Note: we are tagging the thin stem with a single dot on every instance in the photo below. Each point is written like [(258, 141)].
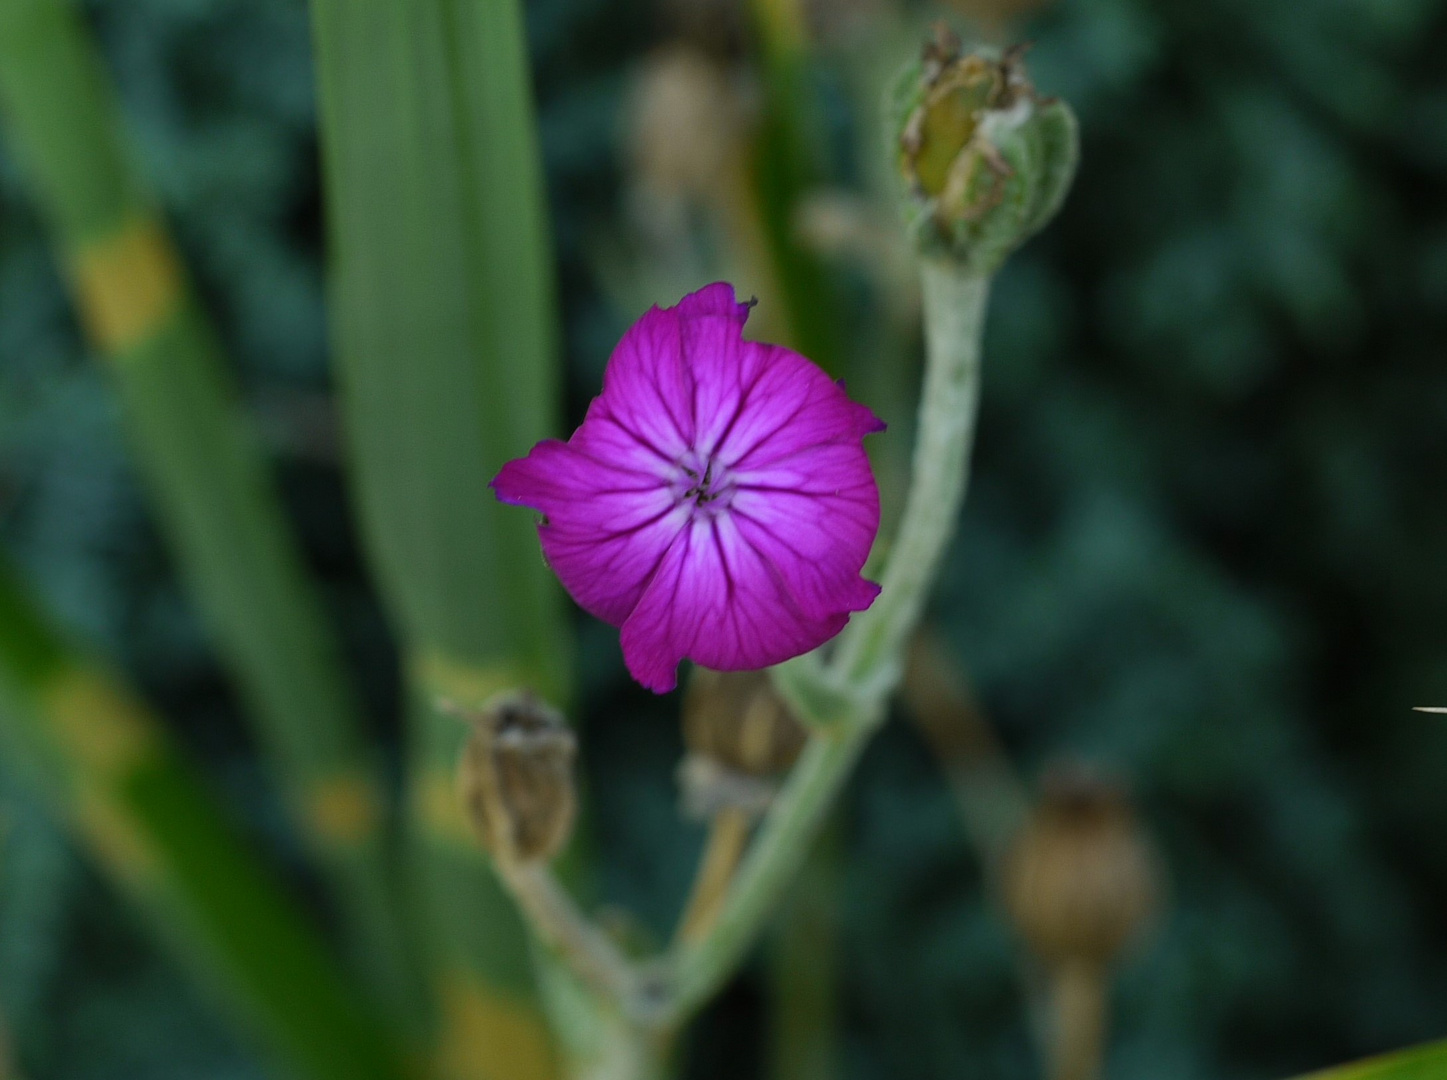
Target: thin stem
[(1078, 1007), (728, 832), (596, 1038), (8, 1069), (844, 702), (804, 992), (991, 797), (609, 1013), (778, 850), (568, 933), (954, 311), (630, 1057)]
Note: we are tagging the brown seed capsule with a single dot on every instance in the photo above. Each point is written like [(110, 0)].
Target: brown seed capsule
[(685, 125), (1080, 880), (736, 718), (741, 740), (516, 778)]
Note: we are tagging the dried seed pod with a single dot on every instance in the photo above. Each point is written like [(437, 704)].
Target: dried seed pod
[(516, 778), (1080, 880), (736, 719), (708, 789), (685, 125), (741, 740)]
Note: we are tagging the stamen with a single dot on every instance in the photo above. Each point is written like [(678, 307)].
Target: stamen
[(701, 483)]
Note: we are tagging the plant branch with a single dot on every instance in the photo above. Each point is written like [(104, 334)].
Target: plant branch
[(990, 795), (954, 311), (1078, 1019), (844, 702), (728, 834), (569, 934)]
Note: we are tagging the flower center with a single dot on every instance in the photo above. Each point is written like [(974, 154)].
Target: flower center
[(703, 482)]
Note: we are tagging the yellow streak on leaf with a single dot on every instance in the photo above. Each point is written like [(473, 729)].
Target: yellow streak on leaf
[(487, 1036), (112, 836), (1428, 1062), (98, 722), (437, 807), (461, 683), (344, 809), (127, 285)]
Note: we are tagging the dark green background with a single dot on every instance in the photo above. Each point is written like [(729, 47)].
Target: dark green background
[(1204, 546)]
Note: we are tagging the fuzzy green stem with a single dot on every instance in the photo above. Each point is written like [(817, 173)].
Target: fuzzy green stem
[(782, 842), (566, 932), (598, 1041), (954, 311), (845, 701)]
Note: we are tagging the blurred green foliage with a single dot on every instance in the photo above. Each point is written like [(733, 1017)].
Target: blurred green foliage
[(1203, 544)]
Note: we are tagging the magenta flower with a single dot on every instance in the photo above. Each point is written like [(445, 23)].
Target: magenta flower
[(716, 502)]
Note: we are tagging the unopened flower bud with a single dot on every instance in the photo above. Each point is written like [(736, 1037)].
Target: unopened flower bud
[(741, 739), (516, 778), (1080, 880), (985, 161)]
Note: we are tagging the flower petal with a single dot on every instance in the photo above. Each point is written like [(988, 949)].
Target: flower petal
[(648, 388), (725, 369), (716, 299), (606, 528), (789, 405), (817, 545), (717, 601), (759, 564)]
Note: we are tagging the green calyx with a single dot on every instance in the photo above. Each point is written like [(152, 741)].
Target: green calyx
[(985, 161)]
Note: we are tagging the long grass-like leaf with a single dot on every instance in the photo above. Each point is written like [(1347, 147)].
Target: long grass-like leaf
[(1427, 1062), (785, 166), (103, 762), (444, 335), (208, 479)]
